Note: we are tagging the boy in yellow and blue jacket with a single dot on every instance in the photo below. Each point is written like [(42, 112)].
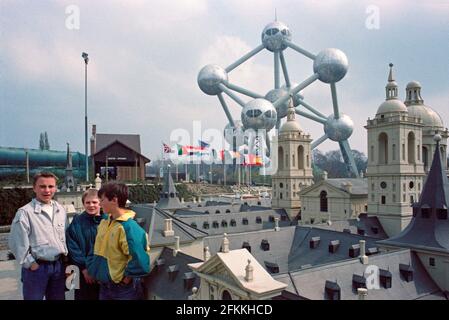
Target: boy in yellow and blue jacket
[(121, 251)]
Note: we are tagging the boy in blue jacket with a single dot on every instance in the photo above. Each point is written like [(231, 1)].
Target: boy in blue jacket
[(80, 242)]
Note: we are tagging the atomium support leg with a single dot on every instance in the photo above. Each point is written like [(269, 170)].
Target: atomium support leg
[(348, 157), (267, 143), (335, 101), (300, 50), (245, 57), (310, 108), (231, 94), (319, 141), (277, 74), (284, 69), (310, 116), (226, 109), (296, 89), (278, 124), (244, 91)]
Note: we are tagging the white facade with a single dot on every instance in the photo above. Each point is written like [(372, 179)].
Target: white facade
[(395, 168), (294, 171)]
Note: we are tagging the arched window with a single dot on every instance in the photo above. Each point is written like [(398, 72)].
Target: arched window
[(425, 157), (307, 161), (226, 295), (323, 201), (383, 148), (281, 158), (394, 152), (300, 157), (372, 154), (293, 160), (411, 147)]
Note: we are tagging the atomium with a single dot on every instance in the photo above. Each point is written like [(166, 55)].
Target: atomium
[(210, 78), (331, 65), (259, 114), (275, 35), (339, 129), (266, 111)]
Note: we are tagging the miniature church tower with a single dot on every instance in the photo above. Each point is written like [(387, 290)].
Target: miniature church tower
[(395, 168), (294, 170), (69, 180)]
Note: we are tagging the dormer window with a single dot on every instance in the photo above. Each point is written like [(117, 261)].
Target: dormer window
[(333, 291), (358, 281), (371, 251), (385, 278), (189, 279), (245, 221), (334, 245), (217, 211), (215, 224), (233, 223), (173, 272), (375, 230), (193, 225), (314, 242), (246, 246), (406, 271), (265, 245), (228, 211), (425, 211), (354, 250), (258, 220), (442, 214), (224, 224), (272, 267), (271, 218), (206, 225)]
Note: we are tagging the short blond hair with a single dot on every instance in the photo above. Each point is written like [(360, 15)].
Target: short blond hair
[(89, 193)]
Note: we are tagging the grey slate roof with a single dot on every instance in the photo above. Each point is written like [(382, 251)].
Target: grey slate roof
[(105, 139), (429, 227), (153, 221), (366, 225), (199, 218), (290, 248), (167, 287), (310, 283)]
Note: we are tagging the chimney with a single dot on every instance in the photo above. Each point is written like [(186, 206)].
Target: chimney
[(98, 182), (276, 224), (177, 248), (225, 244), (206, 253), (194, 200), (324, 175), (363, 257), (362, 293), (199, 199), (249, 272), (168, 229), (182, 200)]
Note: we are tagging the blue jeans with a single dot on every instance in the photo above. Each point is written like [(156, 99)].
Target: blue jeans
[(120, 291), (47, 281)]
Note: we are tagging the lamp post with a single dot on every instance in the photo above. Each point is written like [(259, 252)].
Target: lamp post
[(84, 55)]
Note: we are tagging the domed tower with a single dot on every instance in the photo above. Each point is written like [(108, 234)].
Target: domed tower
[(432, 124), (395, 169), (294, 171)]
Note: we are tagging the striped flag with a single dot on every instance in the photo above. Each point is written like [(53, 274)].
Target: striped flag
[(167, 148)]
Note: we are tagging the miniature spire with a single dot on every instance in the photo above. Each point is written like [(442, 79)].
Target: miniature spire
[(225, 244), (249, 272), (291, 110), (392, 87)]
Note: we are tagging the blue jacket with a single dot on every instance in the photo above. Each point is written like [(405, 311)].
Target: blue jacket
[(81, 237)]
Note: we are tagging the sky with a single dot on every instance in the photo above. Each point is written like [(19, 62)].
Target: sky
[(145, 57)]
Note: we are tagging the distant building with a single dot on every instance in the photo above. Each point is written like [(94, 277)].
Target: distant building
[(117, 156), (334, 199)]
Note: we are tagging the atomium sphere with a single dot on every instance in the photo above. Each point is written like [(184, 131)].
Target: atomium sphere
[(339, 129), (331, 65), (298, 97), (210, 77), (237, 131), (274, 36), (276, 94), (259, 114)]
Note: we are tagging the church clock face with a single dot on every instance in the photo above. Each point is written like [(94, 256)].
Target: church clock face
[(383, 184)]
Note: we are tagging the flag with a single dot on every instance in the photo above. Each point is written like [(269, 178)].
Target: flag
[(252, 160), (167, 148), (203, 144)]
